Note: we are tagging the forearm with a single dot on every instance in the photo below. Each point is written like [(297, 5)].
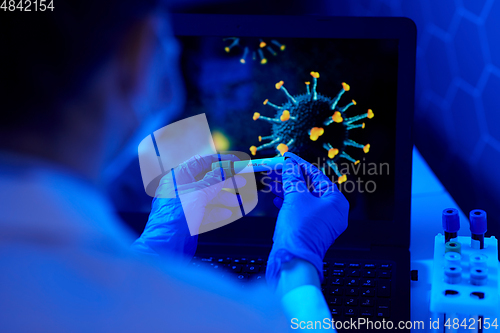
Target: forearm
[(296, 273), (300, 291)]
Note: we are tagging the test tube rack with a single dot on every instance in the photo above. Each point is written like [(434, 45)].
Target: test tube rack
[(465, 280)]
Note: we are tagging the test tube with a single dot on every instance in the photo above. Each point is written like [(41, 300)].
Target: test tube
[(451, 224), (452, 259), (479, 276), (478, 227), (479, 261), (453, 274), (265, 164), (453, 246)]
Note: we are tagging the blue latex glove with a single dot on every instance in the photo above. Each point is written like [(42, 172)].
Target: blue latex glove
[(167, 232), (313, 214)]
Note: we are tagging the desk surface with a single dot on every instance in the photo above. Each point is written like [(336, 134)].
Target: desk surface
[(428, 199)]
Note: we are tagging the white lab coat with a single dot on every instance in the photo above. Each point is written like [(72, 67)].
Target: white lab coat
[(65, 266)]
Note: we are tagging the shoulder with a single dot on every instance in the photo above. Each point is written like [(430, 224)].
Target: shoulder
[(77, 290)]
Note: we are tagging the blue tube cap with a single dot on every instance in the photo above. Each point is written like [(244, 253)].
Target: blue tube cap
[(477, 220), (451, 221)]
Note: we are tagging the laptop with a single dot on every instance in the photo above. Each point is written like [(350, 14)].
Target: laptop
[(234, 67)]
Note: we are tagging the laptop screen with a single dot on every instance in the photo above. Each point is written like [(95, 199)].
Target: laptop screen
[(332, 101)]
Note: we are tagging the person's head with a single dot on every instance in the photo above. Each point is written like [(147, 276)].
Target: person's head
[(81, 81)]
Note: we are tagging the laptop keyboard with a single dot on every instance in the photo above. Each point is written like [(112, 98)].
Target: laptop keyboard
[(351, 289), (241, 269), (355, 289)]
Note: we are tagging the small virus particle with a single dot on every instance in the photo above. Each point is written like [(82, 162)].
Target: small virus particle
[(221, 141), (314, 126), (253, 48)]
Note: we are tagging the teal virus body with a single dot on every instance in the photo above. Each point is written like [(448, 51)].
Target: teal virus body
[(253, 48), (314, 126)]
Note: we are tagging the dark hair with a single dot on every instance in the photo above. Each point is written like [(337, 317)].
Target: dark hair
[(47, 57)]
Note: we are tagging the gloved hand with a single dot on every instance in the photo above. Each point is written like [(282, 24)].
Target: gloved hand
[(167, 231), (309, 221)]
